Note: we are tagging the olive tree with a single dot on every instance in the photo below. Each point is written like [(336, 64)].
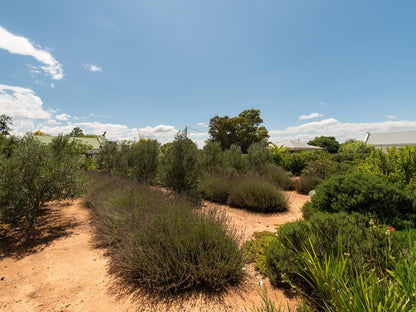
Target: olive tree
[(33, 175)]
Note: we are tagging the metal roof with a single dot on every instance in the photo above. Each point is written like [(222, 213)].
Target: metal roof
[(299, 146), (392, 138), (93, 142)]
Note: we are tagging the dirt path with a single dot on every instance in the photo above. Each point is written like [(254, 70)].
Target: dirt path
[(64, 272)]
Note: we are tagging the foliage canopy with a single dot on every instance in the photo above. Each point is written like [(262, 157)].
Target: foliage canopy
[(242, 130), (327, 142)]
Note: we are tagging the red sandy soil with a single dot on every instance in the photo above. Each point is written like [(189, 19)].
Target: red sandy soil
[(62, 270)]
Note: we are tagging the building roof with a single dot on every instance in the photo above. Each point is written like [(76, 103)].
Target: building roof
[(299, 146), (94, 143), (392, 138)]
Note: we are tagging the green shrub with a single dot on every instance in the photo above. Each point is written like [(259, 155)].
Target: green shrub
[(397, 164), (371, 195), (254, 250), (216, 187), (179, 170), (337, 286), (107, 158), (306, 184), (35, 174), (258, 194), (280, 177), (144, 160), (258, 157), (353, 150), (162, 243), (234, 160), (328, 233), (212, 157), (138, 161), (321, 168)]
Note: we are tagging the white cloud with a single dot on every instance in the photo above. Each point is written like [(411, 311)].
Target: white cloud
[(160, 130), (198, 135), (92, 68), (340, 130), (117, 132), (310, 116), (391, 116), (52, 85), (28, 115), (22, 46), (202, 124), (99, 116), (23, 106), (52, 122), (62, 117)]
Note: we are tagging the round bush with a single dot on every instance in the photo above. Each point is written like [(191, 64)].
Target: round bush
[(179, 249), (216, 188), (368, 247), (371, 195), (280, 177), (307, 183), (259, 195), (163, 243)]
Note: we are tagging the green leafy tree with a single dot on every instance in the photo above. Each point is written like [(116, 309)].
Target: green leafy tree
[(327, 142), (242, 130)]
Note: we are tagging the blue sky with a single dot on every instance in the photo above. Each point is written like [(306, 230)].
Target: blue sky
[(149, 68)]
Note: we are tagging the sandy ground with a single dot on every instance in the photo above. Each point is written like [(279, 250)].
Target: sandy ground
[(62, 270)]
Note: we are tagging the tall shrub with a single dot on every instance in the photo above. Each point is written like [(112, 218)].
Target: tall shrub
[(234, 159), (35, 174), (258, 157), (398, 164), (212, 158), (179, 165), (144, 160)]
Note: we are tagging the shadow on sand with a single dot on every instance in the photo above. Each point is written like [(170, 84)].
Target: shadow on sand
[(50, 225)]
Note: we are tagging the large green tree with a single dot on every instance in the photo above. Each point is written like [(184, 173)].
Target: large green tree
[(242, 130), (327, 142)]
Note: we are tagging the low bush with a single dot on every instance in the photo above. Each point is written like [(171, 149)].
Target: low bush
[(306, 184), (322, 168), (329, 233), (280, 177), (258, 194), (254, 250), (161, 242), (338, 286), (389, 202), (216, 187)]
